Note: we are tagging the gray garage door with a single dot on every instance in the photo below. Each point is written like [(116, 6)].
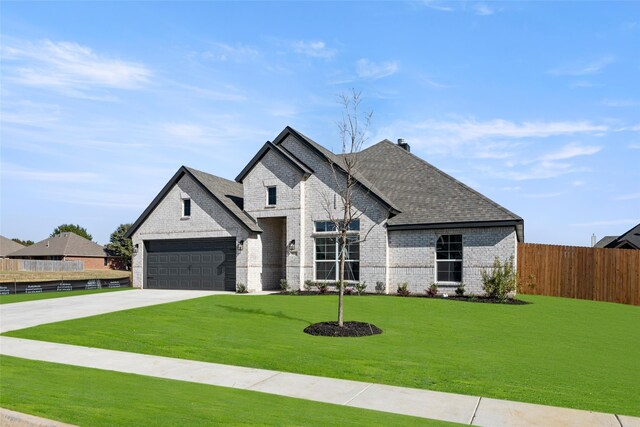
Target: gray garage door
[(191, 264)]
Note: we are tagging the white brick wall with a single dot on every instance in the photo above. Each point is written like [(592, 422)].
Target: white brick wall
[(412, 256)]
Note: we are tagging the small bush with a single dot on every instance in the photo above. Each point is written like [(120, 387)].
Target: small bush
[(241, 288), (402, 290), (360, 287), (284, 285), (348, 290), (323, 287), (501, 281), (460, 290), (432, 290), (308, 285), (380, 288)]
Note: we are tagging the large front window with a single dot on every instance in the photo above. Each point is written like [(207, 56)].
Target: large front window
[(449, 258), (327, 250)]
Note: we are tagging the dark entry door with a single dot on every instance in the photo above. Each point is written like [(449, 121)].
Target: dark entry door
[(199, 264)]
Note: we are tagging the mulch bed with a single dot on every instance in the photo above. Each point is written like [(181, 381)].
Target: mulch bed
[(487, 300), (350, 329)]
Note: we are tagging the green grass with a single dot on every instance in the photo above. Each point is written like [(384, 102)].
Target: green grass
[(8, 299), (556, 351), (93, 397)]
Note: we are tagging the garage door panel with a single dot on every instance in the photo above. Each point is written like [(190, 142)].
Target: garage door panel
[(191, 264)]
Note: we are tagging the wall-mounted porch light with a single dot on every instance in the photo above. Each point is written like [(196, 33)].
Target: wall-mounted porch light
[(135, 249), (292, 246), (240, 245)]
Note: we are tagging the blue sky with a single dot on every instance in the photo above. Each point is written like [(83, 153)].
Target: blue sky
[(536, 105)]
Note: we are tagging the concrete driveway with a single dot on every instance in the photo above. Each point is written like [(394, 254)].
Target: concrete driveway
[(33, 313)]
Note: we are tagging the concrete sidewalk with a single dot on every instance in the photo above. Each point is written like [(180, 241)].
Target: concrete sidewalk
[(420, 403)]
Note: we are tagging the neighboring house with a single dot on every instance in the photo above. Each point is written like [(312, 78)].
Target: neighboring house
[(629, 240), (68, 247), (8, 246), (421, 225)]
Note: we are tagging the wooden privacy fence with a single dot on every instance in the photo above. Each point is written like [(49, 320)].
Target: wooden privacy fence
[(597, 274), (40, 265)]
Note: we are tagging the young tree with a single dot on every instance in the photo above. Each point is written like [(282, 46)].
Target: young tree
[(73, 228), (121, 246), (353, 131)]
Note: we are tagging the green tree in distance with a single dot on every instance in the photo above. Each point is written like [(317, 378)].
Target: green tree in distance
[(73, 228), (121, 246)]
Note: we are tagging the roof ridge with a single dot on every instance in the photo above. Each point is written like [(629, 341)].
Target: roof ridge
[(446, 175), (190, 169)]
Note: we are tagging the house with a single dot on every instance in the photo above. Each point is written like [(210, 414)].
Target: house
[(69, 247), (8, 246), (421, 225), (628, 240)]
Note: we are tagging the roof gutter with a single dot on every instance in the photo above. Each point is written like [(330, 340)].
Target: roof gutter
[(518, 224)]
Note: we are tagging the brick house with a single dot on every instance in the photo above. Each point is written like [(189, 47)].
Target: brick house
[(70, 247), (205, 232)]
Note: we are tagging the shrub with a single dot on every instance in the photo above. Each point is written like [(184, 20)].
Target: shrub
[(380, 288), (323, 287), (360, 287), (402, 290), (241, 288), (284, 285), (432, 290), (348, 290), (308, 285), (460, 290), (501, 281)]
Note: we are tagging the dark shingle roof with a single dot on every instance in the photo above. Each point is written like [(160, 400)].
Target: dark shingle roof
[(8, 246), (630, 238), (229, 193), (605, 241), (63, 244), (424, 193)]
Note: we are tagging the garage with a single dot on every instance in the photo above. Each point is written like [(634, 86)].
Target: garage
[(196, 264)]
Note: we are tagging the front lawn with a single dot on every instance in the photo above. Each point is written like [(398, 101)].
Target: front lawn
[(92, 397), (555, 351), (8, 299)]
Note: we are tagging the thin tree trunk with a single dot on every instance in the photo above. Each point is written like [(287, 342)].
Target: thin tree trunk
[(343, 249)]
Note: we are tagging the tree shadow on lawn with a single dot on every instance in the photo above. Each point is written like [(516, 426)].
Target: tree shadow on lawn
[(261, 312)]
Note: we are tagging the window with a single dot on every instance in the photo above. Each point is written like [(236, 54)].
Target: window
[(327, 249), (186, 207), (449, 258), (271, 196)]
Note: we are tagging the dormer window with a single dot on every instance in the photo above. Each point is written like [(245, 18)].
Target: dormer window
[(271, 196), (186, 208)]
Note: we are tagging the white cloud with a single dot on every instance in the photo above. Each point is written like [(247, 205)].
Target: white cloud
[(48, 176), (316, 49), (437, 5), (539, 170), (583, 68), (70, 66), (226, 52), (482, 9), (606, 222), (571, 150), (634, 146), (373, 71), (632, 196), (620, 103), (184, 130)]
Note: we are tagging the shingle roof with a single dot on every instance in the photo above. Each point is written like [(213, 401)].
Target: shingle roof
[(63, 244), (631, 237), (424, 193), (8, 246), (283, 152), (605, 241), (229, 193)]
